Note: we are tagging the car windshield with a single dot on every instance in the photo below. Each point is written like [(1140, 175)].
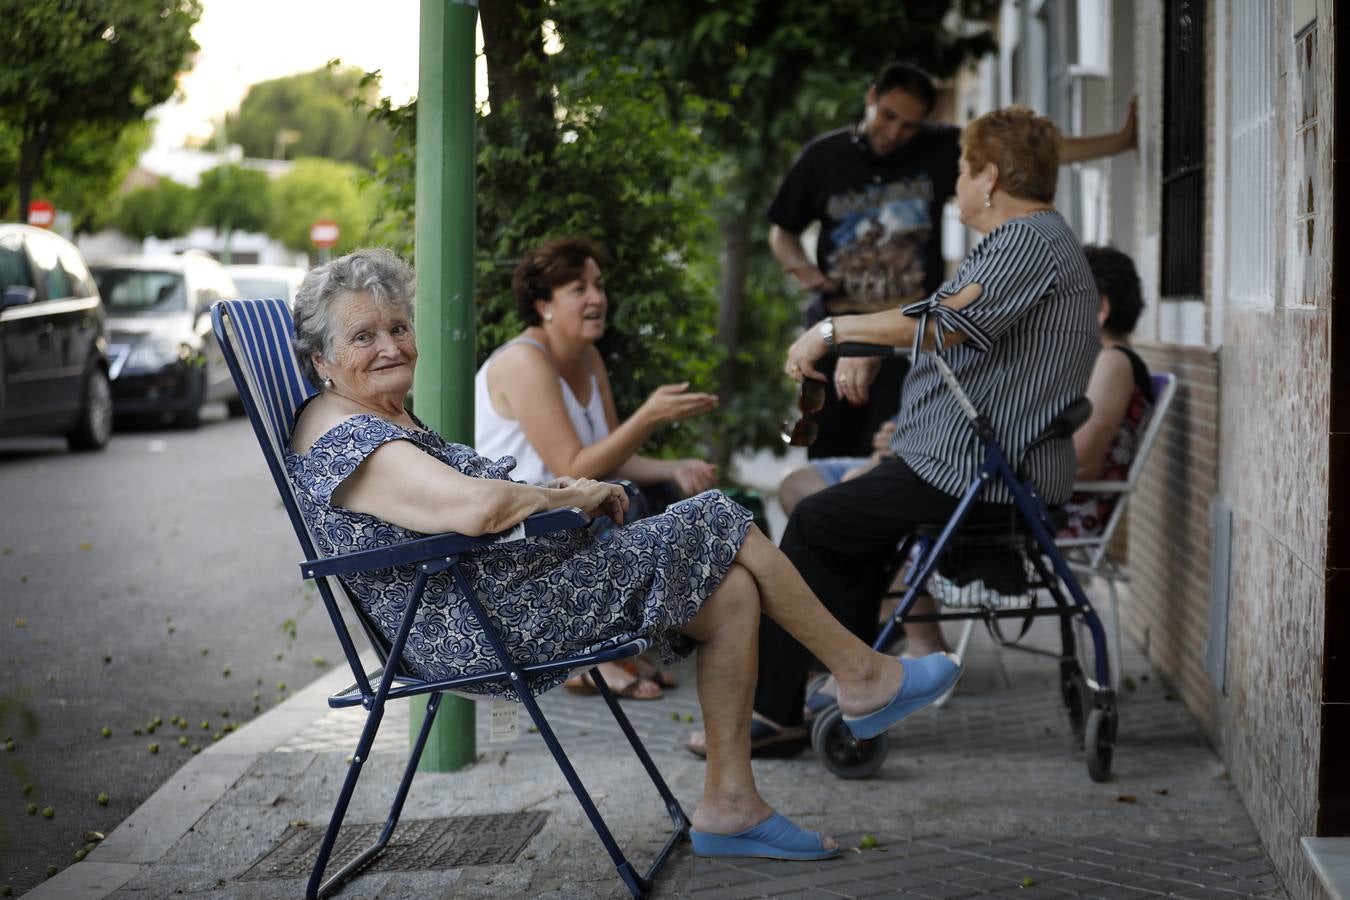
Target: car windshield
[(262, 288), (138, 291)]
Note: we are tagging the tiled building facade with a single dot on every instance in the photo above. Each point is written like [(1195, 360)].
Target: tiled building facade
[(1237, 537)]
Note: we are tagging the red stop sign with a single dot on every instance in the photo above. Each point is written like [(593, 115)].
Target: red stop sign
[(324, 233), (41, 213)]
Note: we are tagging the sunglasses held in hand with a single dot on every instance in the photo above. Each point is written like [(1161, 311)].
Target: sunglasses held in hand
[(811, 400)]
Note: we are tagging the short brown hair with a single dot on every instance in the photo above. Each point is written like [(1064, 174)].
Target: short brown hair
[(548, 266), (1024, 146)]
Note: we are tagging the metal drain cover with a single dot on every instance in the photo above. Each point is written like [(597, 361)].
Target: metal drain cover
[(417, 844)]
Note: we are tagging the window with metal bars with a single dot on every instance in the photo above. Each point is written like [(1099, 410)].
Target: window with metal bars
[(1183, 172)]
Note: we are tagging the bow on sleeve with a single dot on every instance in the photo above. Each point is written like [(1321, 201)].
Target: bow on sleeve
[(946, 321)]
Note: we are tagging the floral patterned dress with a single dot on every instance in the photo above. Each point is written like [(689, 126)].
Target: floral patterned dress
[(551, 595)]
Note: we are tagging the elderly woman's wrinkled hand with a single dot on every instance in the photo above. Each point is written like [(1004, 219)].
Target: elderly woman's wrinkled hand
[(694, 476), (600, 498), (802, 356)]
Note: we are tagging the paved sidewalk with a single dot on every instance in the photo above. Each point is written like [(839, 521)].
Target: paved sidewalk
[(982, 797)]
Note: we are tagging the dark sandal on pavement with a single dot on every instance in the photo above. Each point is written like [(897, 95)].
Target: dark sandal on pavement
[(582, 684), (767, 741)]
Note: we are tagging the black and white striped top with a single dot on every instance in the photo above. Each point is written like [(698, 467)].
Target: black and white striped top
[(1032, 341)]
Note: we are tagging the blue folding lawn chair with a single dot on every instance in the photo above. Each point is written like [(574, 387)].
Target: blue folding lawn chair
[(255, 336)]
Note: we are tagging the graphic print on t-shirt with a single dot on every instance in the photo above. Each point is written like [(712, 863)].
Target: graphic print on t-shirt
[(879, 241)]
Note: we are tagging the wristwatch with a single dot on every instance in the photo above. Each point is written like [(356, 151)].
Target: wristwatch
[(827, 331)]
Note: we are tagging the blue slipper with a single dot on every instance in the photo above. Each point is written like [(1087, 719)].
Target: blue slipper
[(777, 837), (926, 680)]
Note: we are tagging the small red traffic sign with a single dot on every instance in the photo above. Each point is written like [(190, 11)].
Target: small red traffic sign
[(41, 213), (324, 233)]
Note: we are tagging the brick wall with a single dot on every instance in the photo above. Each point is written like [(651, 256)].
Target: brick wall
[(1169, 527)]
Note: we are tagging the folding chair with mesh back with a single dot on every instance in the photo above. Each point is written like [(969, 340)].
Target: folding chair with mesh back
[(255, 336), (1088, 556)]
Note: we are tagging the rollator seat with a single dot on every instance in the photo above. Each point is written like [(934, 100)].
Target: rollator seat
[(993, 552)]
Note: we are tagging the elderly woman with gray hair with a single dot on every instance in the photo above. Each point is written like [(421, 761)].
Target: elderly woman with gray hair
[(368, 474)]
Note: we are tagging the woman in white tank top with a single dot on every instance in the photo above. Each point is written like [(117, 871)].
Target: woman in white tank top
[(544, 397)]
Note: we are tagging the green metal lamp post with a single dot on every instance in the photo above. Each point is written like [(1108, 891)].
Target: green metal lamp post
[(443, 386)]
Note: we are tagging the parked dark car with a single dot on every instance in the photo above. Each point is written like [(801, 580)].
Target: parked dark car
[(164, 358), (53, 347)]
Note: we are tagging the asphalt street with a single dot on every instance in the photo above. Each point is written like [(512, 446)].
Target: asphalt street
[(154, 583)]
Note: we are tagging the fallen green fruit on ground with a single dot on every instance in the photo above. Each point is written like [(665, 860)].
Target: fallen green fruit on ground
[(103, 799), (158, 721), (27, 790), (225, 672), (153, 748), (868, 842), (9, 746), (32, 809), (1027, 882), (206, 726), (80, 854), (689, 717), (281, 685), (51, 870), (196, 750), (182, 742), (106, 732), (674, 716), (48, 812)]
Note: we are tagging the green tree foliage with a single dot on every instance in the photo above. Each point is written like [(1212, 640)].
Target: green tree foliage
[(230, 197), (770, 74), (321, 189), (310, 114), (71, 64), (82, 173), (608, 164), (164, 210)]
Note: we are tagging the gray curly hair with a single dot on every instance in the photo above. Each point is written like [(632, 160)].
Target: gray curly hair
[(376, 271)]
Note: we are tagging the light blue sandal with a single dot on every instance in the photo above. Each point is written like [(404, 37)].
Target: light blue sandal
[(927, 679), (777, 837)]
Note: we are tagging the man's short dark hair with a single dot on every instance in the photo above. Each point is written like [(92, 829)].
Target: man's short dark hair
[(909, 78), (1118, 280)]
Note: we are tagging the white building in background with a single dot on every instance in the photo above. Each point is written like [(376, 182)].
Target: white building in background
[(186, 167)]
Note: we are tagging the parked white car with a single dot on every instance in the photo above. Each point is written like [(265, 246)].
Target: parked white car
[(266, 282), (164, 359)]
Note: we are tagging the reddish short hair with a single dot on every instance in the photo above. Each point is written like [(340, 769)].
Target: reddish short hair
[(1024, 146)]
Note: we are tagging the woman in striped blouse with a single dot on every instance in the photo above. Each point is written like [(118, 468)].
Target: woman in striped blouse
[(1018, 326)]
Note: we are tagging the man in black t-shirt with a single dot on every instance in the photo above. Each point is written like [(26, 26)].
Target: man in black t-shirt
[(877, 190)]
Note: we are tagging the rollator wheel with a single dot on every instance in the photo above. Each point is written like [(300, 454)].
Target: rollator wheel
[(841, 752), (1100, 743), (1078, 701)]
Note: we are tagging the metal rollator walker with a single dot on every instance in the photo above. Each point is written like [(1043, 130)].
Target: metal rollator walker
[(1000, 561)]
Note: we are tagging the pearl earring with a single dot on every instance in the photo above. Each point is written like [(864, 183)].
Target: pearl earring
[(987, 202), (548, 317), (327, 383)]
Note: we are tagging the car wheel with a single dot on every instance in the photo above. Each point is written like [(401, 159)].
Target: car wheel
[(94, 427), (191, 418)]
